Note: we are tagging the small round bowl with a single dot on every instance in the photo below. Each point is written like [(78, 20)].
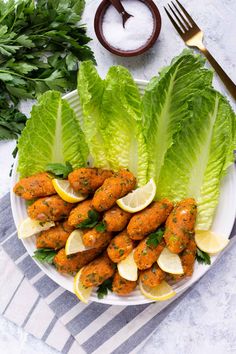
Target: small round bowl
[(98, 20)]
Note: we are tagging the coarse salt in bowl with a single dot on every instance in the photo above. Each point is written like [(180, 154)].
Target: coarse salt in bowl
[(137, 31), (140, 32)]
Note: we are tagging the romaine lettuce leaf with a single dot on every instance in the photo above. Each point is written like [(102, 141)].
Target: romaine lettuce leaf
[(194, 165), (221, 156), (165, 104), (90, 89), (122, 127), (112, 111), (51, 135)]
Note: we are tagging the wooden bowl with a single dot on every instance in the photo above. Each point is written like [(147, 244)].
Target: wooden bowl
[(98, 20)]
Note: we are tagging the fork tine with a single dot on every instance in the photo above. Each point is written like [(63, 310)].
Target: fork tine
[(183, 18), (178, 29), (184, 29), (187, 15)]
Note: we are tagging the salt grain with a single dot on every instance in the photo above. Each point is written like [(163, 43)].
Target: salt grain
[(138, 29)]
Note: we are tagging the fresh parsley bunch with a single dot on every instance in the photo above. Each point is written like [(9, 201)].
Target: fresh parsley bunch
[(12, 121), (41, 45)]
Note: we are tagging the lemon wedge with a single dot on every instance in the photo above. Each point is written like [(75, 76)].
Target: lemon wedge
[(138, 199), (66, 192), (170, 262), (30, 227), (210, 242), (161, 292), (127, 268), (74, 243), (81, 292)]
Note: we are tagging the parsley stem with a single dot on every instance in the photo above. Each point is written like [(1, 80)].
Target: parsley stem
[(7, 13), (24, 77)]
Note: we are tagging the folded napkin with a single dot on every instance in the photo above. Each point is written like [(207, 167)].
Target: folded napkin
[(44, 309)]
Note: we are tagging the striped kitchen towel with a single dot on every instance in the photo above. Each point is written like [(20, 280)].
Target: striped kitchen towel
[(56, 316)]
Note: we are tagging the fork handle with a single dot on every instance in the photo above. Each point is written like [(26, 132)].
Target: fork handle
[(229, 84)]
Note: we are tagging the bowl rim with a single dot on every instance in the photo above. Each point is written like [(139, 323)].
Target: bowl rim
[(102, 8)]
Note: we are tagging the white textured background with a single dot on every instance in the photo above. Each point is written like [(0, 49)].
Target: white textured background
[(205, 320)]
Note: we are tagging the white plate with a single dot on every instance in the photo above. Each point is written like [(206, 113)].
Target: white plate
[(223, 223)]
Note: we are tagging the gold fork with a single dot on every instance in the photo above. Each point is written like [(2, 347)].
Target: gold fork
[(193, 36)]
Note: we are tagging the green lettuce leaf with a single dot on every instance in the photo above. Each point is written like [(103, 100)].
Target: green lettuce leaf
[(195, 163), (221, 156), (165, 104), (90, 89), (231, 119), (122, 124), (51, 135), (112, 119)]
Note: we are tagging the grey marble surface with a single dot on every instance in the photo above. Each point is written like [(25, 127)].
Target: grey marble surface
[(14, 340), (205, 320)]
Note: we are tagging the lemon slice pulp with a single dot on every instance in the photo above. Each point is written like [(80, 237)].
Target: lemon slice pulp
[(80, 291), (30, 227), (74, 243), (161, 292), (127, 268), (66, 192), (138, 199), (210, 242), (170, 262)]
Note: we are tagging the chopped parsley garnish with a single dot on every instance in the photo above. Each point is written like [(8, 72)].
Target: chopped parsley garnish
[(101, 227), (59, 170), (45, 255), (203, 257), (102, 290), (155, 238), (90, 222), (30, 202)]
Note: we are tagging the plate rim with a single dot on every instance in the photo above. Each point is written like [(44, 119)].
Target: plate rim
[(128, 300)]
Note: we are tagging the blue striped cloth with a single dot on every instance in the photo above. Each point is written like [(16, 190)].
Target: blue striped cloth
[(41, 307)]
